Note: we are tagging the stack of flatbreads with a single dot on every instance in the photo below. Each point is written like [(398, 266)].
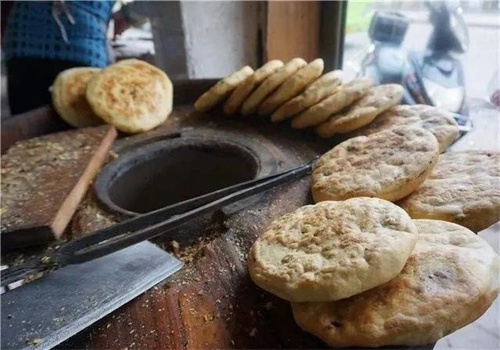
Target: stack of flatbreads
[(389, 254), (298, 91), (132, 95), (362, 273), (402, 163)]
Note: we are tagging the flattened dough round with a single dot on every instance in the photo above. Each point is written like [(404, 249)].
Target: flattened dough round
[(438, 121), (450, 280), (271, 84), (293, 86), (463, 188), (362, 112), (239, 95), (132, 95), (324, 86), (69, 100), (332, 250), (321, 111), (222, 89), (390, 165)]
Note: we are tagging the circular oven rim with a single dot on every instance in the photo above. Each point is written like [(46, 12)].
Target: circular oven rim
[(263, 161)]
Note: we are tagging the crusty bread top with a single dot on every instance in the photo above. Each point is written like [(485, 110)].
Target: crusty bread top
[(222, 89), (332, 250), (270, 84), (450, 279), (380, 165), (243, 90), (325, 86), (438, 121), (68, 96), (132, 95), (293, 86), (464, 188), (378, 97), (363, 111), (320, 112)]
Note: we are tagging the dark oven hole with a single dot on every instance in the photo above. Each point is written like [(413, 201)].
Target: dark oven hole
[(177, 174)]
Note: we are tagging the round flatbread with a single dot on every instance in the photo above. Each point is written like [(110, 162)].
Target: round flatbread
[(450, 280), (132, 95), (363, 111), (293, 86), (323, 87), (438, 121), (222, 89), (239, 95), (271, 84), (390, 165), (321, 111), (332, 250), (464, 188), (69, 100)]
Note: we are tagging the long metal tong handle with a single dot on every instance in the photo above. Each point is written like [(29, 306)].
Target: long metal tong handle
[(108, 241), (150, 225), (163, 214)]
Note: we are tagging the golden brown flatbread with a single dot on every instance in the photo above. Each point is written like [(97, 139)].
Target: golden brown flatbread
[(450, 280), (324, 86), (332, 250), (390, 165), (239, 95), (69, 100), (463, 188), (362, 112), (270, 84), (222, 89), (132, 95), (293, 86), (438, 121), (320, 112)]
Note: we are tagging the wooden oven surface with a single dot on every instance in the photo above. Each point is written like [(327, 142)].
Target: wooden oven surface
[(211, 303)]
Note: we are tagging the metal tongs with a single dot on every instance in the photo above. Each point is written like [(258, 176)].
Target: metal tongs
[(148, 226)]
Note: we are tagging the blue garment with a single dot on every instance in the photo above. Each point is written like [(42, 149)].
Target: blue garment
[(33, 32)]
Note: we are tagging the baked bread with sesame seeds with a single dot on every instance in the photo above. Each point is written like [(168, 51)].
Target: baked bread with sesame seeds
[(449, 280), (389, 165), (332, 250)]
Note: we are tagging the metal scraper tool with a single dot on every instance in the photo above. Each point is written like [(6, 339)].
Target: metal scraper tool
[(45, 312)]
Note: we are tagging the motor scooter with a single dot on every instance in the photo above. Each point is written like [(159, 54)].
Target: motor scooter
[(433, 76)]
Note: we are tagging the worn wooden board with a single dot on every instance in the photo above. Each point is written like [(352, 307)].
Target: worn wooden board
[(44, 180), (34, 123), (212, 302)]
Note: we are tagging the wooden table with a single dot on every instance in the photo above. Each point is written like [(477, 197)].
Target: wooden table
[(212, 303)]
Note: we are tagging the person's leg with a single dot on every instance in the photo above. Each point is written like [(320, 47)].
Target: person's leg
[(29, 79)]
